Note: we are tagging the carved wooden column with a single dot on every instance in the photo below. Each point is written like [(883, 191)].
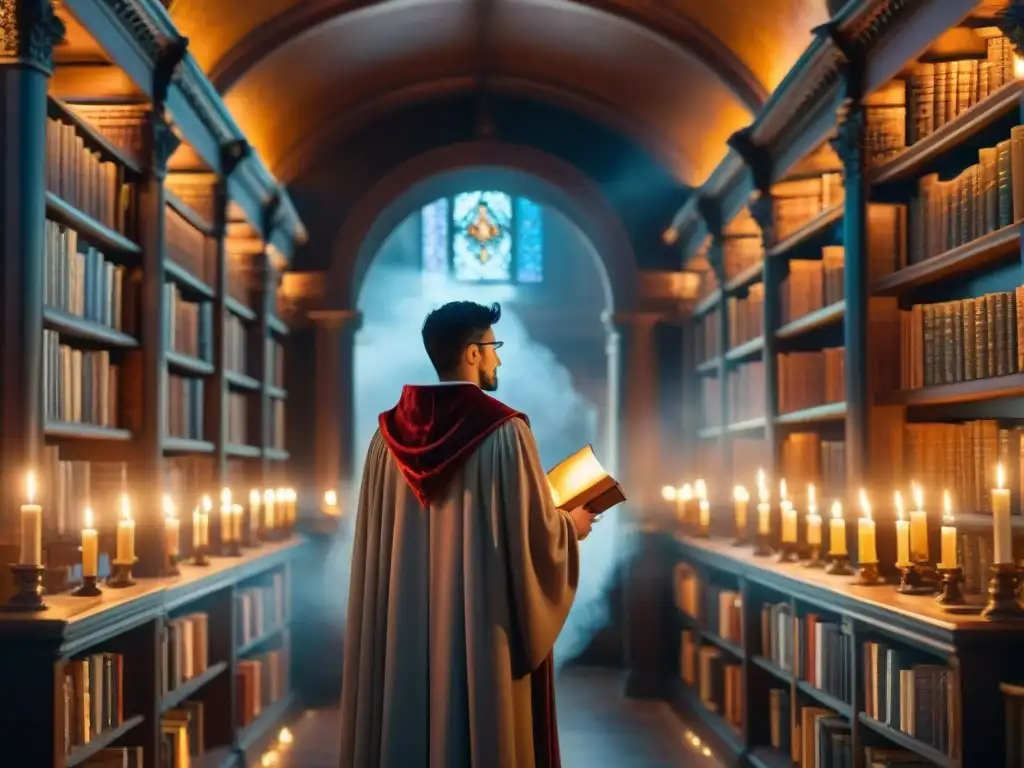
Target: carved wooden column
[(29, 31), (762, 209), (849, 145), (335, 403), (146, 469)]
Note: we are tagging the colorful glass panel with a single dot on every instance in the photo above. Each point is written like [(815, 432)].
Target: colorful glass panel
[(482, 243), (529, 241), (434, 228)]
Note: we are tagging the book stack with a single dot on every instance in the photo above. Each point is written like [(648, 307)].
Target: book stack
[(188, 324), (747, 392), (746, 316), (777, 641), (80, 281), (260, 610), (823, 656), (810, 379), (79, 386), (184, 649), (724, 613), (93, 700), (907, 695), (812, 285)]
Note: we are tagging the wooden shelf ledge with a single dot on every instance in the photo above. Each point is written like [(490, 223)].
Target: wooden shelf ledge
[(908, 742), (276, 454), (748, 276), (961, 392), (951, 135), (746, 349), (818, 414), (190, 687), (246, 648), (824, 698), (749, 425), (241, 381), (66, 430), (720, 642), (100, 741), (277, 325), (809, 231), (187, 282), (72, 326), (187, 445), (278, 393), (90, 230), (237, 308), (179, 362), (243, 451), (708, 303), (709, 433), (188, 213), (709, 366), (820, 318), (771, 669), (965, 258)]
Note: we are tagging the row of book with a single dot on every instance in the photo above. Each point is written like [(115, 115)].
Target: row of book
[(740, 253), (810, 379), (707, 341), (746, 391), (953, 341), (812, 285), (913, 697), (182, 735), (797, 203), (711, 401), (261, 681), (185, 407), (746, 316), (723, 613), (83, 179), (807, 458), (238, 418), (79, 386), (184, 649), (277, 424), (809, 647), (235, 343), (79, 280), (687, 590), (260, 609), (275, 362), (188, 324), (93, 697), (717, 678), (190, 248)]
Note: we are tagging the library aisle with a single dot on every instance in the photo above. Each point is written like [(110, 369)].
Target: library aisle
[(598, 728)]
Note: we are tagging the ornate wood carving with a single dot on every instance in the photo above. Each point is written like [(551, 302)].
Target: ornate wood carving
[(164, 143), (140, 28), (762, 211), (848, 141), (29, 29), (754, 156)]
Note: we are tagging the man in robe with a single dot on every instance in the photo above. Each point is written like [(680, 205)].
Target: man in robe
[(463, 573)]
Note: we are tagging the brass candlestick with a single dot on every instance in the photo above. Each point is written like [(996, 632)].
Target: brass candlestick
[(761, 546), (741, 537), (814, 561), (199, 557), (918, 579), (1002, 594), (952, 587), (28, 589), (868, 575), (838, 565), (232, 548), (171, 568), (121, 574), (87, 588), (788, 552)]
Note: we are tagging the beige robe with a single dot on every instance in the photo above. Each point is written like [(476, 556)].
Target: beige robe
[(451, 608)]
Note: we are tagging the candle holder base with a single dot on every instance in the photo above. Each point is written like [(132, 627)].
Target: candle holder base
[(761, 546), (1002, 603), (918, 580), (121, 574), (199, 558), (28, 589), (87, 588), (868, 576), (952, 587), (739, 541), (814, 561), (788, 553), (232, 549), (702, 532), (171, 569), (838, 565)]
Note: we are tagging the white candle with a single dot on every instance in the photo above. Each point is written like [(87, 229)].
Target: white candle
[(1002, 550), (837, 531), (950, 558), (762, 487), (331, 503), (293, 499), (90, 546), (918, 527), (902, 535), (172, 528), (227, 528), (764, 510), (866, 551), (31, 525), (125, 533), (237, 518), (788, 515), (813, 519), (705, 514), (254, 511), (741, 500), (201, 523), (269, 518)]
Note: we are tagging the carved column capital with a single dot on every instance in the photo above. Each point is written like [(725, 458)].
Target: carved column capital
[(848, 141), (232, 154), (29, 30), (762, 211), (164, 143)]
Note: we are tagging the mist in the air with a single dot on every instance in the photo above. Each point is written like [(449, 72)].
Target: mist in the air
[(389, 353)]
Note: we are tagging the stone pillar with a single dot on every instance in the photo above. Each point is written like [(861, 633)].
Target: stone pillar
[(30, 30), (335, 402)]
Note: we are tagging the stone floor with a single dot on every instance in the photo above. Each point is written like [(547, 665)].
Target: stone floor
[(597, 726)]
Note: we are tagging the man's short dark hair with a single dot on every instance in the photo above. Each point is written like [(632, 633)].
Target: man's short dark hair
[(449, 329)]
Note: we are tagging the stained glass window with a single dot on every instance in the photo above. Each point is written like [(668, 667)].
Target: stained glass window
[(483, 237)]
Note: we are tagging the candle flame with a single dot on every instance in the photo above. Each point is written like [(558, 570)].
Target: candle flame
[(739, 493), (685, 493), (331, 498), (899, 505), (30, 487), (125, 509), (168, 506), (268, 496), (865, 505), (1000, 475), (837, 510), (782, 490), (88, 518), (1018, 67), (225, 497), (701, 490), (207, 503), (292, 495), (812, 497), (254, 497), (918, 493), (947, 507), (668, 493)]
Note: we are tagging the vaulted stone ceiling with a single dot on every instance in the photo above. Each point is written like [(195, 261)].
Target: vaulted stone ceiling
[(675, 76)]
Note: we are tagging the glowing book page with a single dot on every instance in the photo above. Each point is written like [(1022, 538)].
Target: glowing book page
[(581, 479)]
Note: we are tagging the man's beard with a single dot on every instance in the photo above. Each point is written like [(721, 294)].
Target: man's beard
[(489, 383)]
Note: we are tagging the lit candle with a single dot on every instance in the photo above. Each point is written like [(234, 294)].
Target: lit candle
[(172, 528), (254, 511), (281, 499), (237, 519), (705, 514), (125, 533), (741, 500), (918, 528), (866, 551), (201, 523), (950, 559), (331, 503), (293, 503), (90, 546), (764, 510), (269, 518), (1002, 550), (813, 519), (789, 525), (1018, 67), (227, 527), (902, 535), (31, 525), (837, 531)]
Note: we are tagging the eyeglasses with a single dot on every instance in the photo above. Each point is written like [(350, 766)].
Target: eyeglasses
[(495, 344)]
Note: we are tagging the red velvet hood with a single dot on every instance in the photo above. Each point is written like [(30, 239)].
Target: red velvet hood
[(434, 429)]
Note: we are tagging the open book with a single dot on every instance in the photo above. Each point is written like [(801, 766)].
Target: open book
[(581, 480)]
